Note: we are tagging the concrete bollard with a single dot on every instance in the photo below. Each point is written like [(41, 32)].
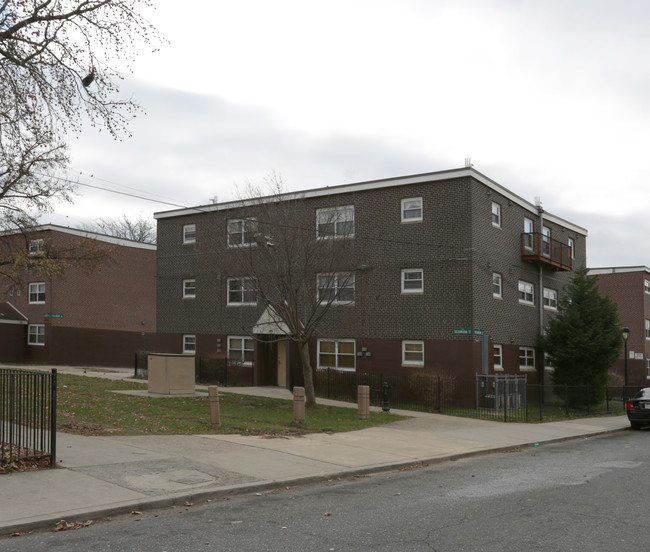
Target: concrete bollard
[(363, 398), (298, 404), (213, 399)]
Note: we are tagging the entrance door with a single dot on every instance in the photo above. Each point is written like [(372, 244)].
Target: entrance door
[(282, 363)]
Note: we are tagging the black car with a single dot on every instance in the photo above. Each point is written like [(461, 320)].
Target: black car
[(638, 409)]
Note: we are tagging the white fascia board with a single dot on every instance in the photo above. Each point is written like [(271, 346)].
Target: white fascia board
[(375, 185), (617, 270)]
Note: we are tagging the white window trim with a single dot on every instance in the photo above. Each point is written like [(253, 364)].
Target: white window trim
[(546, 241), (37, 247), (572, 247), (37, 334), (500, 294), (243, 350), (336, 353), (527, 368), (532, 293), (189, 240), (246, 224), (646, 285), (548, 363), (528, 240), (497, 223), (187, 295), (407, 220), (647, 329), (550, 307), (186, 339), (336, 220), (334, 278), (498, 367), (29, 295), (647, 368), (419, 291), (406, 362), (234, 303)]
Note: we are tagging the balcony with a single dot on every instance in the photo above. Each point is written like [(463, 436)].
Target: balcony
[(541, 249)]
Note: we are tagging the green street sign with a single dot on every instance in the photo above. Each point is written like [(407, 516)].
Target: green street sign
[(462, 331), (478, 332), (50, 315)]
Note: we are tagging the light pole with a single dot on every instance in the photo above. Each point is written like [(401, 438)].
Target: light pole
[(626, 335)]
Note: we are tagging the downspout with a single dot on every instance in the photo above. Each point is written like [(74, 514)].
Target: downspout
[(540, 211)]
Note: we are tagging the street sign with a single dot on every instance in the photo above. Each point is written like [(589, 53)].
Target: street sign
[(51, 315), (468, 331)]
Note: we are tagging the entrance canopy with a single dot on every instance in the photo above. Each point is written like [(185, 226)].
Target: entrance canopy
[(270, 323)]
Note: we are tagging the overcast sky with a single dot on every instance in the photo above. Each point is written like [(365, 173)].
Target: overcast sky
[(549, 98)]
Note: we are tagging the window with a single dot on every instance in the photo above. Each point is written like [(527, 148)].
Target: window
[(549, 365), (526, 358), (647, 368), (646, 286), (497, 285), (647, 329), (497, 354), (241, 232), (37, 293), (412, 280), (550, 299), (36, 334), (496, 215), (189, 344), (338, 354), (570, 242), (413, 353), (37, 247), (241, 349), (189, 289), (336, 288), (242, 291), (528, 233), (189, 233), (335, 222), (526, 293), (546, 241), (412, 209)]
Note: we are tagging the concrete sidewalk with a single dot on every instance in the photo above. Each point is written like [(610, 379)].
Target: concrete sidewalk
[(100, 476)]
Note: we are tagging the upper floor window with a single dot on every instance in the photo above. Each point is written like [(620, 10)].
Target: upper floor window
[(496, 214), (497, 354), (412, 209), (37, 293), (335, 222), (189, 233), (546, 241), (36, 334), (241, 232), (647, 368), (528, 233), (497, 285), (646, 286), (571, 245), (647, 329), (338, 354), (242, 291), (189, 344), (189, 288), (550, 299), (526, 358), (412, 280), (336, 288), (241, 349), (37, 247), (526, 293), (413, 353)]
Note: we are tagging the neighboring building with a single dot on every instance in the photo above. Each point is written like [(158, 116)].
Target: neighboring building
[(629, 288), (99, 313), (457, 276)]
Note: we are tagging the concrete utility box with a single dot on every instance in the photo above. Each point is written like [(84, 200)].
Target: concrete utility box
[(171, 374)]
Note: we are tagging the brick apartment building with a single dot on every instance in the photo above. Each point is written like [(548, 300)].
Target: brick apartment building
[(98, 314), (629, 288), (455, 275)]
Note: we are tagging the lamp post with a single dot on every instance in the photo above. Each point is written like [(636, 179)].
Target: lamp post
[(626, 335)]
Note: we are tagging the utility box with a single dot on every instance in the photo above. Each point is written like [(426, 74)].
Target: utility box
[(171, 374)]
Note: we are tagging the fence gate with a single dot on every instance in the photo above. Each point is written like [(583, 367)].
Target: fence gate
[(500, 392)]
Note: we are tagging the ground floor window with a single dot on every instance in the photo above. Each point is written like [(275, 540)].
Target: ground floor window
[(241, 349), (413, 353), (526, 358), (647, 368), (36, 334), (338, 354), (189, 344), (498, 357)]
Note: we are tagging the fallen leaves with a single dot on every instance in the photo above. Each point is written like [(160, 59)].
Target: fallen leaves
[(64, 525)]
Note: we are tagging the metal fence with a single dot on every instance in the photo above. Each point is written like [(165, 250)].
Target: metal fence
[(27, 416)]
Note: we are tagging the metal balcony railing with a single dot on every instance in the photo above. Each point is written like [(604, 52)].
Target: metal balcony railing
[(541, 249)]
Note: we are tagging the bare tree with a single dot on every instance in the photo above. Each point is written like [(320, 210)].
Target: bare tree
[(139, 229), (298, 267), (55, 68)]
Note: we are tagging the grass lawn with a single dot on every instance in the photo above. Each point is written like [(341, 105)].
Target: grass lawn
[(88, 406)]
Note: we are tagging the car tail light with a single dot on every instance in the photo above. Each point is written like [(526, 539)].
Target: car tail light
[(629, 405)]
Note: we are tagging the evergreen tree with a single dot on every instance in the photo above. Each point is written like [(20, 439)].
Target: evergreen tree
[(584, 339)]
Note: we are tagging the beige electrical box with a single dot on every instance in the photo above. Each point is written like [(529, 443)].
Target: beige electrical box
[(171, 374)]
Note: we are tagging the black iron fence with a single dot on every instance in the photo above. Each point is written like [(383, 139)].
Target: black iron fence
[(27, 417)]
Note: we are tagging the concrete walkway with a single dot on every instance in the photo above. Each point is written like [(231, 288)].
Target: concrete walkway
[(100, 476)]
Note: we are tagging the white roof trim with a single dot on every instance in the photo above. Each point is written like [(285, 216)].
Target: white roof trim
[(617, 270), (375, 185), (23, 322), (270, 323)]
